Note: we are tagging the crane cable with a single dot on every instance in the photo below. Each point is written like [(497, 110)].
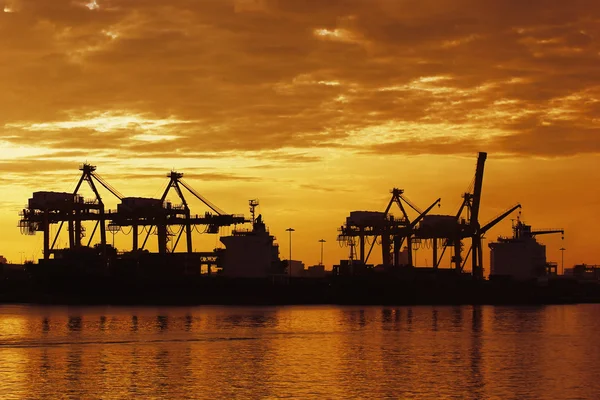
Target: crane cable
[(411, 204)]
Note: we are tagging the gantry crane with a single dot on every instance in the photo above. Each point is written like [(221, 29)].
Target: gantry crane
[(160, 214), (47, 208), (364, 224), (89, 175), (400, 233), (453, 229)]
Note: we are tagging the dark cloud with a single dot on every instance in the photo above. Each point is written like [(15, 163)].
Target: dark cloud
[(255, 76), (441, 145)]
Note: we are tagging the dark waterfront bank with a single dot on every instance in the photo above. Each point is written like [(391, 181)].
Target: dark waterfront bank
[(197, 290)]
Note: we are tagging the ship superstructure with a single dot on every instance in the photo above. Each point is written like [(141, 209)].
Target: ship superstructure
[(251, 253), (521, 257)]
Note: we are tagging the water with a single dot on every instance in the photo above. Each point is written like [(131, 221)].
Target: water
[(299, 352)]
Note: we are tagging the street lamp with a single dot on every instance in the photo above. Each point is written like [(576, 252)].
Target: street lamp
[(321, 241), (113, 229), (290, 230), (562, 250)]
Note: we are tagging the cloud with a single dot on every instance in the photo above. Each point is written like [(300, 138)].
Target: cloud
[(153, 79), (322, 188), (32, 166), (208, 176)]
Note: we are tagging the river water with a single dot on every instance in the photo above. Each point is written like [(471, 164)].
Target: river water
[(300, 352)]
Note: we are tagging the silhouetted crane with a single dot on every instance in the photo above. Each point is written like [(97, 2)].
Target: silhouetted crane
[(384, 225), (89, 175)]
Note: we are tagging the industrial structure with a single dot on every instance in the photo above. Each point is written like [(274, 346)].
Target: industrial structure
[(383, 226), (249, 269), (47, 208), (442, 231), (149, 215), (251, 253), (521, 257), (159, 215)]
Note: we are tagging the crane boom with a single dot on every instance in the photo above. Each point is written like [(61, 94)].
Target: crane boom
[(108, 187), (547, 231), (411, 204), (202, 198), (499, 218), (474, 221), (420, 217)]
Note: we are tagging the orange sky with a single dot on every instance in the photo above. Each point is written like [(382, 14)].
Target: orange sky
[(315, 107)]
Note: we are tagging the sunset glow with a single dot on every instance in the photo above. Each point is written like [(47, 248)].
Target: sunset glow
[(316, 108)]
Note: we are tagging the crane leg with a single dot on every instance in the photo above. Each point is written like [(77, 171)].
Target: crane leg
[(134, 231), (435, 255), (362, 246), (46, 236)]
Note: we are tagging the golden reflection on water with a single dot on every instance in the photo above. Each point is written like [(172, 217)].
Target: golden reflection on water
[(299, 352)]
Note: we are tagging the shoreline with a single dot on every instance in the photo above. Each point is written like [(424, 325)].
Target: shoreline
[(327, 291)]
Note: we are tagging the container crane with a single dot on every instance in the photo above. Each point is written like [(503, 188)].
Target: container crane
[(408, 233), (89, 175), (451, 230), (47, 208), (363, 224), (161, 214), (398, 198)]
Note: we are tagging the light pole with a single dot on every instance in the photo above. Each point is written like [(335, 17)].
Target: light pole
[(290, 230), (321, 241), (113, 229), (562, 251)]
